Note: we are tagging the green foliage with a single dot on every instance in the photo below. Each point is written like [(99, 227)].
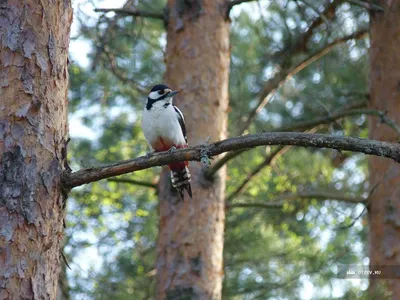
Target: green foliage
[(269, 253)]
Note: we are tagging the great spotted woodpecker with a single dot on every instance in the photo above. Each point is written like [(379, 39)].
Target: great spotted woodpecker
[(164, 129)]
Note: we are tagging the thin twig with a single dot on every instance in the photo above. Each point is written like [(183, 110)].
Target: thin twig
[(287, 69), (367, 5), (267, 161), (342, 227), (134, 182), (280, 78), (210, 172), (339, 115), (133, 12), (122, 77), (279, 201), (329, 13), (267, 205), (231, 4), (319, 14), (102, 38), (197, 153)]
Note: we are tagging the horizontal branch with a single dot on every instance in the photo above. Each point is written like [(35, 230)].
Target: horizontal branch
[(279, 201), (197, 153), (132, 12), (134, 182), (304, 126), (299, 126)]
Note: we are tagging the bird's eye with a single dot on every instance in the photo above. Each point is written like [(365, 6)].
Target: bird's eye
[(161, 92)]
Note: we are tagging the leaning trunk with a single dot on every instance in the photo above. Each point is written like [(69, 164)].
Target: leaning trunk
[(190, 243), (33, 132), (384, 207)]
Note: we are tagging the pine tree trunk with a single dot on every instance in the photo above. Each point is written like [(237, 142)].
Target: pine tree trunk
[(384, 208), (190, 244), (33, 132)]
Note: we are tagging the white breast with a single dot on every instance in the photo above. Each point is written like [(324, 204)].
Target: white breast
[(162, 122)]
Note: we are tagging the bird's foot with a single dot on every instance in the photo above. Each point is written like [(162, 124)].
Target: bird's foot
[(205, 159), (207, 140), (148, 154), (172, 149)]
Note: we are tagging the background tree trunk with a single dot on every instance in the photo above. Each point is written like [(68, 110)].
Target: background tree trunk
[(384, 209), (33, 132), (190, 244)]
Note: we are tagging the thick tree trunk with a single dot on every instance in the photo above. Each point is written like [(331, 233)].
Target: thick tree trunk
[(384, 209), (34, 39), (190, 263)]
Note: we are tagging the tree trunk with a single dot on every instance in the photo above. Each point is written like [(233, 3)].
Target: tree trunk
[(190, 243), (63, 286), (34, 39), (384, 208)]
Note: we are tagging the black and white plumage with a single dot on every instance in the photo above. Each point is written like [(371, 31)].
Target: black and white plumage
[(164, 128)]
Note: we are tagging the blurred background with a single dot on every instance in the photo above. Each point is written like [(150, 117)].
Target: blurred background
[(293, 215)]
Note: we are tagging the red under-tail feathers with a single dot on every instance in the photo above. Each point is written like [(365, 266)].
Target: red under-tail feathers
[(180, 175)]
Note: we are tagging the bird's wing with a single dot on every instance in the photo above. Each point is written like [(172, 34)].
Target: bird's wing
[(181, 120)]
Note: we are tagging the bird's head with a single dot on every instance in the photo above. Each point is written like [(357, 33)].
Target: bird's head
[(161, 92)]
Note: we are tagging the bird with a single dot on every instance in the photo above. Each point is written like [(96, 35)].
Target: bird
[(164, 129)]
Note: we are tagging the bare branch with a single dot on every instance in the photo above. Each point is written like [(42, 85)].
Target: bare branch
[(133, 12), (327, 14), (209, 173), (119, 75), (287, 69), (103, 38), (268, 205), (307, 125), (279, 201), (339, 115), (367, 5), (267, 161), (134, 182), (285, 73), (353, 221), (231, 4), (371, 147), (320, 14)]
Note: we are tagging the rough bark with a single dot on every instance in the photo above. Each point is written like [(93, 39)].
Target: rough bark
[(190, 243), (384, 209), (34, 39), (235, 144), (63, 286)]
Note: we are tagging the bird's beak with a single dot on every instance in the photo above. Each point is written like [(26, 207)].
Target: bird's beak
[(172, 93)]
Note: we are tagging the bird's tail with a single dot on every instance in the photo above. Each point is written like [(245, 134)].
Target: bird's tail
[(180, 178)]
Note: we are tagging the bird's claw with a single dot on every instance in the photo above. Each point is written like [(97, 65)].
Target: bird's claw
[(207, 140), (172, 149), (148, 154), (205, 160)]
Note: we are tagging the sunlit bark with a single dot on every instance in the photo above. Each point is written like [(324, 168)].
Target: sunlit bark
[(189, 250), (33, 132), (384, 216)]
